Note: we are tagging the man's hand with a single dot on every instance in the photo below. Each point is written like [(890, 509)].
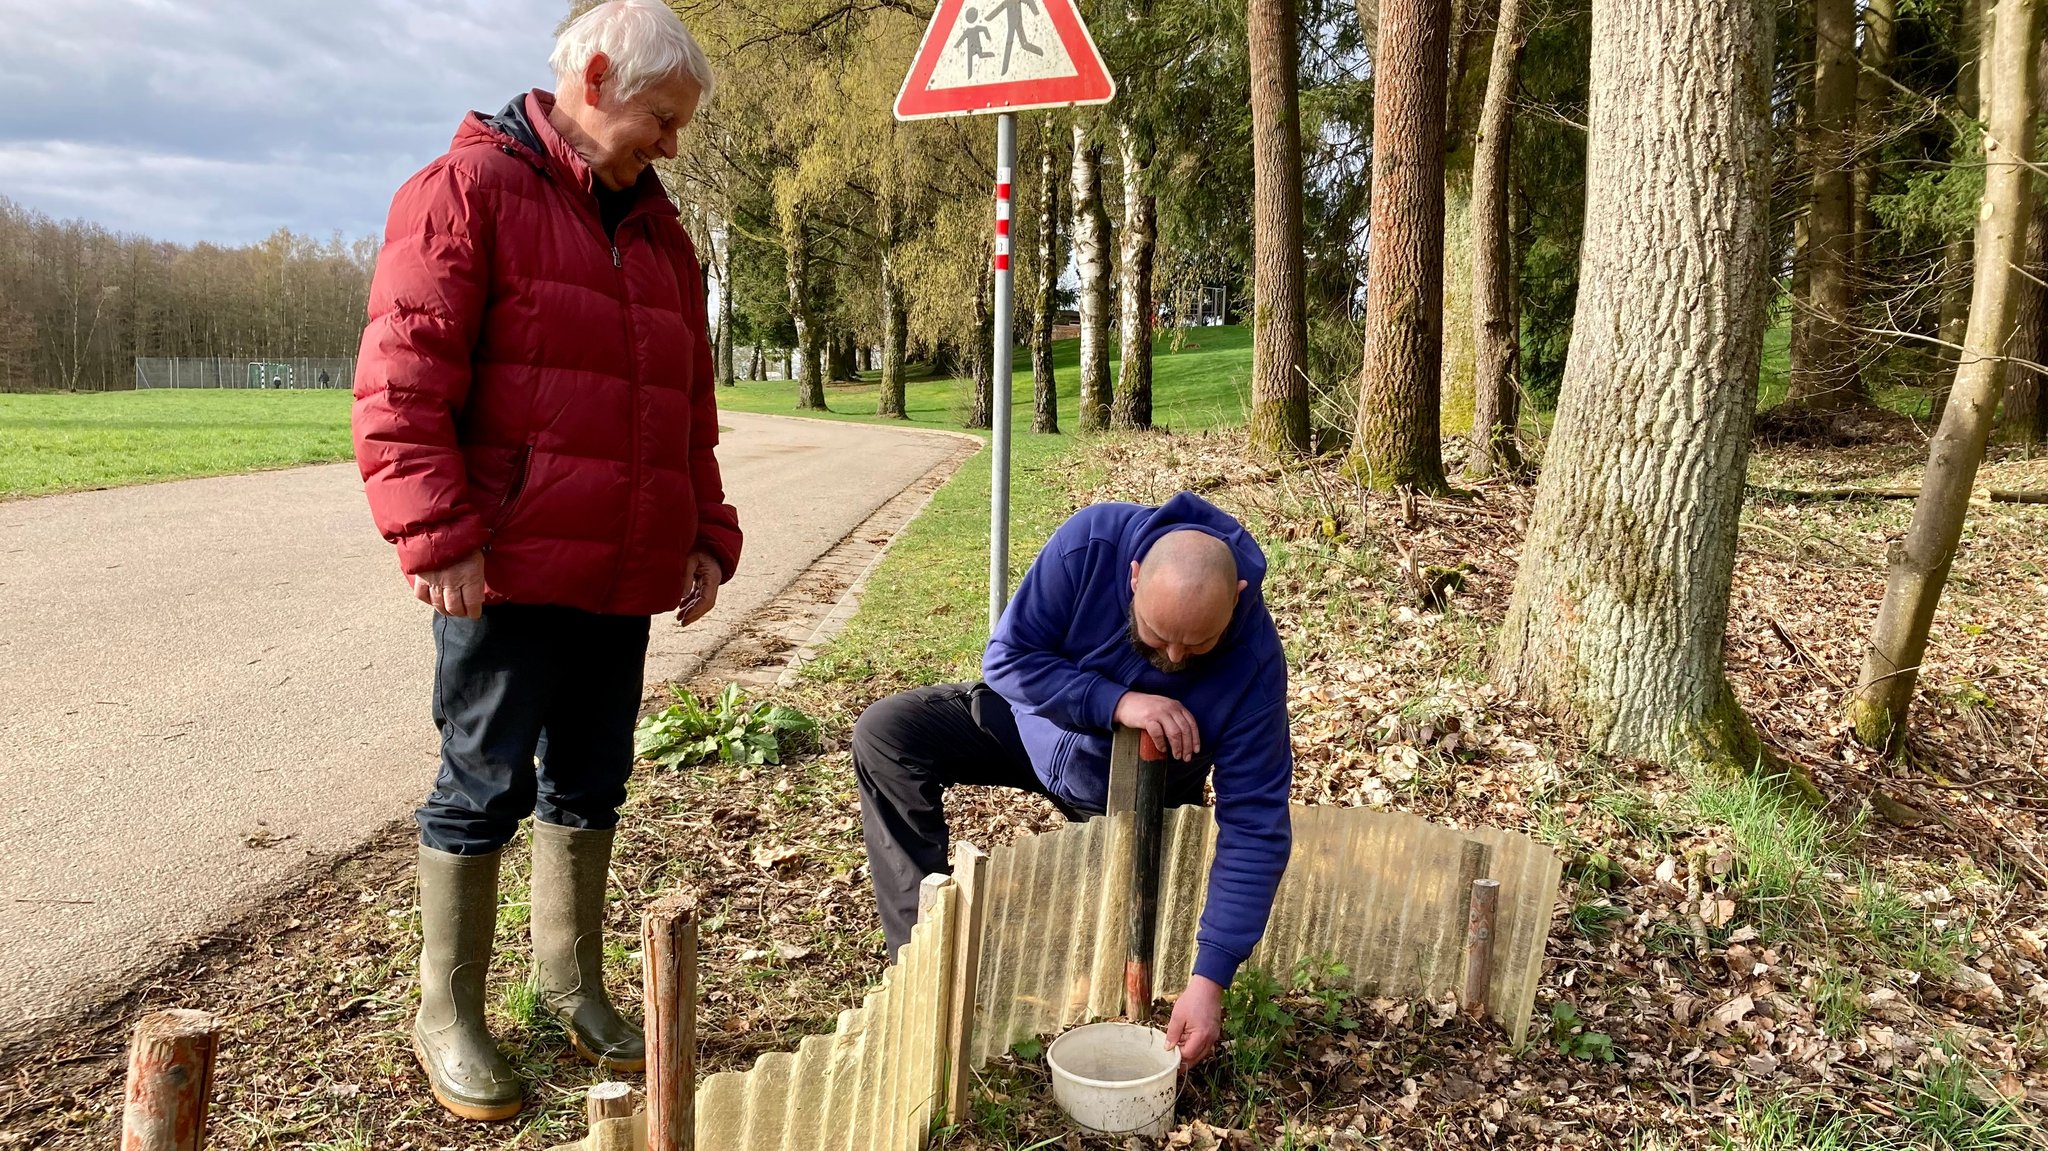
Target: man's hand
[(1197, 1020), (457, 589), (1172, 726), (702, 575)]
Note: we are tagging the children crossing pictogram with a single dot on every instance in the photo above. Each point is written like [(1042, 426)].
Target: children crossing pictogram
[(1003, 56)]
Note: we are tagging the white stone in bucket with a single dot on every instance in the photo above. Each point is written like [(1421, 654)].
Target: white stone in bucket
[(1115, 1078)]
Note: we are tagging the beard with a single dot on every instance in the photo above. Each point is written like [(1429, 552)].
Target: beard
[(1153, 655)]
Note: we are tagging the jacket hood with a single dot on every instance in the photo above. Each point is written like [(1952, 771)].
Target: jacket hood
[(1190, 512)]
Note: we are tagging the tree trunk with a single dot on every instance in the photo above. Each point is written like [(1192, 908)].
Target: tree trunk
[(1398, 422), (1496, 384), (1621, 603), (1279, 306), (2024, 412), (1827, 378), (1957, 257), (1091, 258), (725, 333), (1873, 99), (759, 370), (981, 412), (1920, 562), (810, 333), (1045, 388), (895, 334), (1133, 405)]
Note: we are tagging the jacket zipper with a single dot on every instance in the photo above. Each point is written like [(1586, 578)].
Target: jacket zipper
[(633, 421)]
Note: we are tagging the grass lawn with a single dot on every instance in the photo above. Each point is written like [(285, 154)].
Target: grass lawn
[(61, 442), (923, 618)]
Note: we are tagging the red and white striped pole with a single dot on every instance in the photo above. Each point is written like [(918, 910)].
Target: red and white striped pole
[(999, 410)]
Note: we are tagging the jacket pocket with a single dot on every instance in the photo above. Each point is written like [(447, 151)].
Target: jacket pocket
[(513, 488)]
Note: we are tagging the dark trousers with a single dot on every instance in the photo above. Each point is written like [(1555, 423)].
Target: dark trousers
[(529, 681), (907, 750)]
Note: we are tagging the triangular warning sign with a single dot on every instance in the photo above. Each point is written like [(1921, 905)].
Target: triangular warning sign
[(1003, 56)]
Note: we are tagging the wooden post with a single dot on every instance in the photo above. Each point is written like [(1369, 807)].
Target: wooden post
[(170, 1080), (610, 1100), (1123, 771), (970, 867), (1148, 811), (668, 958), (1479, 943)]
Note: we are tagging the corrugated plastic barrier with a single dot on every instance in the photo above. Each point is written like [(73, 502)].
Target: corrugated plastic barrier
[(1033, 936)]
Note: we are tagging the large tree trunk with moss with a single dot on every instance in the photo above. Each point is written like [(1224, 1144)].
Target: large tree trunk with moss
[(1920, 562), (1496, 383), (1092, 261), (1045, 386), (1622, 599), (1133, 405), (1279, 302), (810, 332), (982, 402), (1826, 377), (1398, 438), (895, 335)]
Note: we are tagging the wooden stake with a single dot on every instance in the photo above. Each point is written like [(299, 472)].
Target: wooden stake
[(608, 1100), (970, 866), (1479, 943), (668, 958), (1148, 812), (170, 1079)]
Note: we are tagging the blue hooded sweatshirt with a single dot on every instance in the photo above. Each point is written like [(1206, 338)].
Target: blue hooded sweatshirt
[(1062, 657)]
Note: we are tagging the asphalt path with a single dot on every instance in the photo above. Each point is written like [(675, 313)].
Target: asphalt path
[(205, 683)]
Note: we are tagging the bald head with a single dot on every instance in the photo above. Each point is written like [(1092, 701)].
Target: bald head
[(1183, 594)]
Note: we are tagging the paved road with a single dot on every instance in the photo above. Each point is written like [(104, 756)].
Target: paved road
[(204, 682)]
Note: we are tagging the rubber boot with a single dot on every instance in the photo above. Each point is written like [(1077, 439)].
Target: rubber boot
[(458, 915), (570, 869)]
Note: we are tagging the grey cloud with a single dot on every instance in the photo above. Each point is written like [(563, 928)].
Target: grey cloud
[(227, 120)]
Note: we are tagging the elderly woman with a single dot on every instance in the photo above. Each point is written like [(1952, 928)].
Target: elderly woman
[(535, 427)]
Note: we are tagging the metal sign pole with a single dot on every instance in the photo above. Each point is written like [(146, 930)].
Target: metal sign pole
[(999, 479)]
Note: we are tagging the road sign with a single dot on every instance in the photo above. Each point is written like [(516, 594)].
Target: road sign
[(1003, 56)]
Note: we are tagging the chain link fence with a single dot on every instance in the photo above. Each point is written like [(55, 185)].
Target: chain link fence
[(222, 372)]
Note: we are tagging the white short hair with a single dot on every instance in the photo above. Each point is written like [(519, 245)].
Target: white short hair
[(644, 40)]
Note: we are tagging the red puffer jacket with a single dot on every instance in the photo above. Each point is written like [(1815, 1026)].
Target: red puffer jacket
[(534, 389)]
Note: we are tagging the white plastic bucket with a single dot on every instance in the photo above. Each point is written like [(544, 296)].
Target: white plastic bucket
[(1115, 1078)]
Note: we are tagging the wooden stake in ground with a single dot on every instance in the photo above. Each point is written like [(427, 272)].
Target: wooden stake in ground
[(1621, 603), (668, 957), (1920, 562), (170, 1079)]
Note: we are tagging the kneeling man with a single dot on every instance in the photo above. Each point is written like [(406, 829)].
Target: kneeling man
[(1144, 617)]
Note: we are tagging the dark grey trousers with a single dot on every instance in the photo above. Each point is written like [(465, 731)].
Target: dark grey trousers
[(529, 681), (907, 750)]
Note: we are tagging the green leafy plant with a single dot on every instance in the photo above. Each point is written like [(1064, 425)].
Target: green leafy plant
[(730, 730), (1569, 1031)]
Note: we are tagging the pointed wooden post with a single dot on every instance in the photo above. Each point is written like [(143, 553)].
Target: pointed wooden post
[(1148, 813), (970, 868), (668, 963), (170, 1080)]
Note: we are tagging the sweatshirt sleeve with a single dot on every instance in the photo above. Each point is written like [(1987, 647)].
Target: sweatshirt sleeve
[(1027, 663), (1254, 837), (413, 375)]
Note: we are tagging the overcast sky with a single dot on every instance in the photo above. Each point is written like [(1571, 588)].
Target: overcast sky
[(225, 120)]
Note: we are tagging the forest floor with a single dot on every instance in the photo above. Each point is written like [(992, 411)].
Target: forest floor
[(1723, 968)]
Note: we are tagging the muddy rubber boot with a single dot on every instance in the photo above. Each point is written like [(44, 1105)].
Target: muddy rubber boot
[(570, 867), (458, 915)]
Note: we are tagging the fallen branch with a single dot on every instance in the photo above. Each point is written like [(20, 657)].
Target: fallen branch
[(1993, 495)]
